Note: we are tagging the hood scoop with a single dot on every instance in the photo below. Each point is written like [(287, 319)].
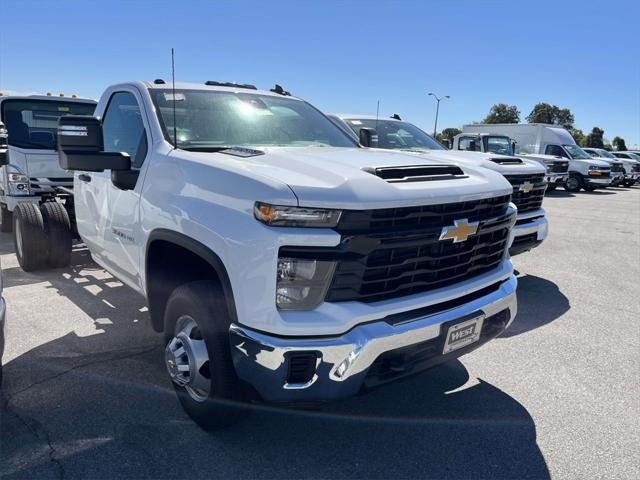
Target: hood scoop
[(506, 160), (417, 173)]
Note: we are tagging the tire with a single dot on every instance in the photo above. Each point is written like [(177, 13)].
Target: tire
[(574, 183), (58, 229), (6, 219), (29, 237), (196, 317)]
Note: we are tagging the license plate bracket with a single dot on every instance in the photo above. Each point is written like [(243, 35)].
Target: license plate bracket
[(463, 334)]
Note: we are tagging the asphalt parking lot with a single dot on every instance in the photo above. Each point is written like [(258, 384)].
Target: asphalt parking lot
[(85, 394)]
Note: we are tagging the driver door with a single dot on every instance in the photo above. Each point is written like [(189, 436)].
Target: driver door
[(114, 233)]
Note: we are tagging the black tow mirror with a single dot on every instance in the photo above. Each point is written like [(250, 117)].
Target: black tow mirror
[(473, 145), (446, 143), (368, 137), (80, 146), (4, 146)]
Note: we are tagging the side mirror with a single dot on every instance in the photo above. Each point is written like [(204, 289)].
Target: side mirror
[(4, 146), (473, 145), (80, 146), (368, 137), (513, 146), (446, 143)]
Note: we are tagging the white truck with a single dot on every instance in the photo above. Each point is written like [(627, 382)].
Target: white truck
[(526, 177), (34, 171), (631, 161), (282, 261), (472, 141), (621, 169), (543, 142)]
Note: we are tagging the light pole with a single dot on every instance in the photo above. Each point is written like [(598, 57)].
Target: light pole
[(435, 127)]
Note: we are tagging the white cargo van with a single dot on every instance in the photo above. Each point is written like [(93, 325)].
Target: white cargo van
[(546, 142), (33, 171)]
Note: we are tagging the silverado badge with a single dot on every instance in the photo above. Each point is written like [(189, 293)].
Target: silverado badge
[(459, 231)]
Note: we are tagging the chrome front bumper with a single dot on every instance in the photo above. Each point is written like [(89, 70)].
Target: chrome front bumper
[(533, 225), (556, 178), (343, 361), (598, 181)]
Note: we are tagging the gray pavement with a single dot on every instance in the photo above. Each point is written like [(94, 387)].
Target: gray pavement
[(85, 394)]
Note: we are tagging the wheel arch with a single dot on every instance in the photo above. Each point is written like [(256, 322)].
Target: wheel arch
[(163, 275)]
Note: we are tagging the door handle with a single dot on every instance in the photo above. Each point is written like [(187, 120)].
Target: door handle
[(84, 178)]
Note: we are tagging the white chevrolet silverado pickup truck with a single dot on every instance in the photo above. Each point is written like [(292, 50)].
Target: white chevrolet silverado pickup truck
[(526, 177), (282, 261)]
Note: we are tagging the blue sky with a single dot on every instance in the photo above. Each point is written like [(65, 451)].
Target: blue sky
[(344, 56)]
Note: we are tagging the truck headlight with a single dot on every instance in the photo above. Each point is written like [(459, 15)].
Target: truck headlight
[(284, 216), (302, 284), (18, 184)]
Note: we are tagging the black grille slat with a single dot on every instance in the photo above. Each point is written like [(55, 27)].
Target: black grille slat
[(527, 201), (617, 167), (399, 257), (560, 167)]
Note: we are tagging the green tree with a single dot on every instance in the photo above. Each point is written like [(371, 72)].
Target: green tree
[(552, 114), (503, 113), (619, 144), (595, 138), (448, 134), (578, 136)]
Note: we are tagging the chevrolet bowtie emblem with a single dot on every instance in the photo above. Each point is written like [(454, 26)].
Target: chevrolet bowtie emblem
[(526, 187), (459, 231)]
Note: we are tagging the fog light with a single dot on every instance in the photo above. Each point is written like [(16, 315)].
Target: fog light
[(301, 283)]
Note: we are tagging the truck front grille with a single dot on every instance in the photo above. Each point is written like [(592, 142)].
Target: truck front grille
[(396, 252), (617, 167), (636, 168), (559, 167), (528, 191)]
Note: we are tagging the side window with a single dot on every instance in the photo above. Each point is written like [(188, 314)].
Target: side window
[(122, 128), (556, 150), (468, 143)]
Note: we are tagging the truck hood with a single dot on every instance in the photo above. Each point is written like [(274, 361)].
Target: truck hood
[(486, 160), (553, 158), (336, 177)]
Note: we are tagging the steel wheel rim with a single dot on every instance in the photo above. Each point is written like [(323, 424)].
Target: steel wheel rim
[(187, 359), (18, 234), (572, 183)]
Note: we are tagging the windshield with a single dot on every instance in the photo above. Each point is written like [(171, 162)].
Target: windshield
[(500, 145), (34, 123), (576, 152), (393, 134), (213, 120), (605, 154)]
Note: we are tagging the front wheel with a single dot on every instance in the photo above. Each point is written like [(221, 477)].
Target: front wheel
[(574, 183), (198, 354)]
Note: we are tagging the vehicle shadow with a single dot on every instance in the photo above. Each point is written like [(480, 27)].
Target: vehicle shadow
[(98, 404), (599, 192), (559, 194), (540, 302)]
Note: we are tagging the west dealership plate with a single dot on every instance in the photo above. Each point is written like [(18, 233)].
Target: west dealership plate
[(463, 334)]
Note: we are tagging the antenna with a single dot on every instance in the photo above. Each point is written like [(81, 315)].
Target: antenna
[(377, 113), (173, 88)]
